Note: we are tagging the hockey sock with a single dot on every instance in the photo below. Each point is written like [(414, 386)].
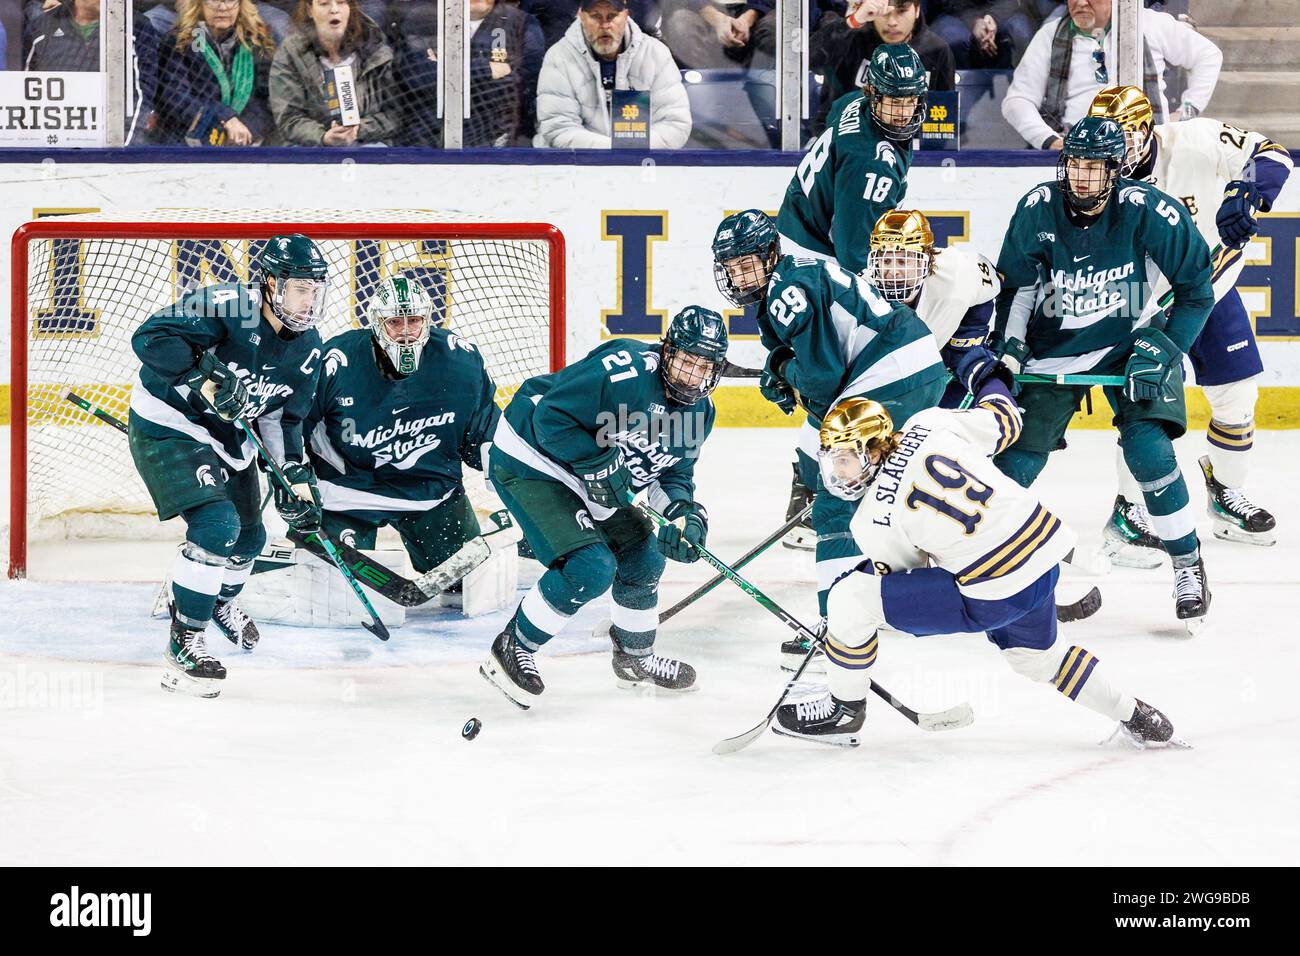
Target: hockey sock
[(239, 567), (572, 581), (848, 668), (1150, 455), (635, 596), (1021, 466), (200, 564), (836, 553), (1075, 674), (1231, 433), (1129, 488)]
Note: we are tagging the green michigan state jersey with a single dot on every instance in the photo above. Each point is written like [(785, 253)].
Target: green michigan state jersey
[(614, 396), (1074, 294), (848, 178), (226, 320), (848, 339), (396, 445)]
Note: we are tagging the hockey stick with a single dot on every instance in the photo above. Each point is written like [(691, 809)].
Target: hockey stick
[(739, 371), (743, 560), (376, 626), (1065, 379), (950, 719), (732, 744), (97, 412)]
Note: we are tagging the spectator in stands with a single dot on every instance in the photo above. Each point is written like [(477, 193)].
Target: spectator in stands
[(505, 56), (985, 34), (604, 50), (62, 36), (278, 15), (712, 34), (1069, 60), (333, 33), (556, 16), (213, 70), (841, 47)]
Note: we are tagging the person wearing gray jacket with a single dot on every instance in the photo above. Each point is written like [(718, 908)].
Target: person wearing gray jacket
[(604, 50)]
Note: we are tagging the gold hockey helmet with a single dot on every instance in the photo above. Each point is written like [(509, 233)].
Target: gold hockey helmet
[(902, 253), (1129, 107), (856, 437)]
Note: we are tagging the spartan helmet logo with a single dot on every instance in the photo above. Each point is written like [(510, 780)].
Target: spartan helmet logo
[(203, 474), (584, 520), (1040, 194), (334, 359)]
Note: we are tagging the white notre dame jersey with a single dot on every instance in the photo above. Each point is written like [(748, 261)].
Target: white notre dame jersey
[(939, 500), (1195, 161), (959, 280)]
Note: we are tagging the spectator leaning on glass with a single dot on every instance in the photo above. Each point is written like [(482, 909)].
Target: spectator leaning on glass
[(985, 34), (602, 51), (841, 47), (333, 33), (212, 72), (707, 35), (62, 36), (1072, 59)]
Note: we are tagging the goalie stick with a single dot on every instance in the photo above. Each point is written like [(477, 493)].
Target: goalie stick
[(376, 626), (951, 719)]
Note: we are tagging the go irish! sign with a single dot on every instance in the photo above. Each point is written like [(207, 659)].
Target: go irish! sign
[(51, 109)]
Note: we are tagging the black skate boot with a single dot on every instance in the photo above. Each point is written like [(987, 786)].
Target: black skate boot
[(1148, 728), (1192, 596), (510, 668), (801, 537), (650, 671), (826, 719), (1236, 517), (1129, 538), (795, 650), (190, 668), (235, 624)]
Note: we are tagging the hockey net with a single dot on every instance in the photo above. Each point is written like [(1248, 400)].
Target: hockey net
[(81, 285)]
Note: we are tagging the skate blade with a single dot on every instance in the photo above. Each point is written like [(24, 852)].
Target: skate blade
[(844, 741), (489, 672), (800, 540), (1127, 556), (178, 682), (1196, 626), (1230, 532), (1123, 736), (651, 689)]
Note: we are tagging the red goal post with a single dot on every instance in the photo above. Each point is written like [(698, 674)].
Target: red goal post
[(80, 285)]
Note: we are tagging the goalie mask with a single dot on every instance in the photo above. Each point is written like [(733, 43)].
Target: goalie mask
[(896, 90), (902, 254), (1129, 107), (856, 437), (1093, 151), (745, 249), (297, 296), (693, 354), (401, 316)]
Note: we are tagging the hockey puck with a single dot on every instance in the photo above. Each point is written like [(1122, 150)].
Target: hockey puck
[(471, 728)]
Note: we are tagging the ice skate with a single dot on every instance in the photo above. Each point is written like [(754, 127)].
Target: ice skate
[(1129, 538), (825, 719), (238, 627), (1148, 728), (511, 669), (190, 669), (1236, 517)]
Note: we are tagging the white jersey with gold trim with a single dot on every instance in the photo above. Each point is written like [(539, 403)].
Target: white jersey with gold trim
[(939, 500), (1195, 161), (959, 280)]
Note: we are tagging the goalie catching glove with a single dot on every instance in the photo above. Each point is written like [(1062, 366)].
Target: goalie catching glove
[(300, 505), (1150, 367), (218, 387), (688, 528), (606, 480)]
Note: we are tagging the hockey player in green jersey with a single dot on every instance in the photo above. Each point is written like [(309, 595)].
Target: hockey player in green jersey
[(569, 454), (830, 336), (222, 353), (1079, 262), (857, 169), (400, 406)]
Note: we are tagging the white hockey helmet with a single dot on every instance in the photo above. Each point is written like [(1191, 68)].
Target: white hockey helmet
[(401, 316)]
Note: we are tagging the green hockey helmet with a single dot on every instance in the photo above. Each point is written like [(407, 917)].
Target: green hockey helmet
[(300, 272), (693, 354), (1092, 154), (401, 317), (745, 249), (896, 90)]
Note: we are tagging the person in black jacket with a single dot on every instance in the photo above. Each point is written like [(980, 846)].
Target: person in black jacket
[(213, 69), (840, 48), (506, 49), (985, 34), (61, 37)]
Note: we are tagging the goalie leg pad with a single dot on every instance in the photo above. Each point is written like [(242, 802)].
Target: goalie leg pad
[(492, 585), (291, 586)]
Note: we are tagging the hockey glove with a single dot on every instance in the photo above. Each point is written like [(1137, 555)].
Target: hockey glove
[(299, 507), (606, 479), (772, 383), (1236, 217), (689, 527), (1013, 352), (1150, 366), (975, 366), (219, 387)]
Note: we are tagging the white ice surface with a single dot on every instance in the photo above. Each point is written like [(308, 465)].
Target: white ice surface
[(328, 747)]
